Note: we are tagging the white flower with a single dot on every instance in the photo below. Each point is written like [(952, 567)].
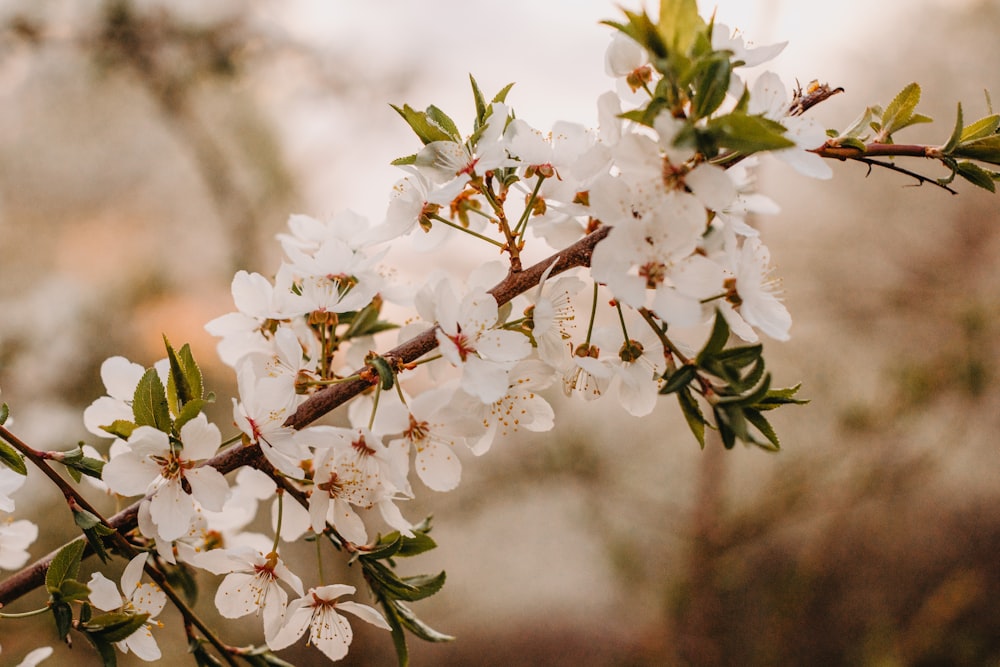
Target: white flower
[(433, 436), (467, 338), (755, 294), (251, 585), (551, 316), (353, 467), (744, 55), (135, 597), (15, 538), (35, 657), (770, 98), (158, 468), (264, 406), (521, 406), (120, 377), (10, 481), (328, 631)]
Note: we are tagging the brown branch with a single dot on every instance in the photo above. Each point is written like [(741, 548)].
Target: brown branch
[(328, 399)]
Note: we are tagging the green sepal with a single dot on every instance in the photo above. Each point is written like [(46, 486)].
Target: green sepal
[(12, 458), (120, 428), (65, 565), (976, 175), (410, 621), (149, 406), (692, 415), (679, 379), (426, 129)]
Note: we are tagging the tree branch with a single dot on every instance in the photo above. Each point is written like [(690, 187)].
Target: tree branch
[(328, 399)]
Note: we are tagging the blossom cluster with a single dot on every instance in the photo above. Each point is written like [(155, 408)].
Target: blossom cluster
[(678, 254)]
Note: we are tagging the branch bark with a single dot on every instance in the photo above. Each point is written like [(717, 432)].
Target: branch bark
[(328, 399)]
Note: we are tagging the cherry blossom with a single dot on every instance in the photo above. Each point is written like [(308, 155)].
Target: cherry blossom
[(160, 469), (329, 631), (15, 538), (251, 585), (135, 597)]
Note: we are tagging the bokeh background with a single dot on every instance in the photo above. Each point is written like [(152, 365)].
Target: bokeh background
[(148, 149)]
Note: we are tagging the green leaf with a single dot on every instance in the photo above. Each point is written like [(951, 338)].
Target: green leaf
[(120, 428), (858, 129), (4, 413), (740, 357), (149, 406), (716, 341), (692, 414), (480, 101), (392, 615), (104, 649), (680, 23), (956, 133), (851, 142), (184, 384), (762, 425), (418, 627), (679, 379), (976, 175), (441, 120), (116, 626), (983, 127), (93, 530), (63, 615), (748, 134), (405, 160), (776, 397), (65, 565), (986, 149), (71, 590), (710, 86), (898, 113), (426, 129), (12, 458), (418, 544), (76, 463)]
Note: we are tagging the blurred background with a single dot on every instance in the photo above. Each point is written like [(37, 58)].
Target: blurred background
[(148, 149)]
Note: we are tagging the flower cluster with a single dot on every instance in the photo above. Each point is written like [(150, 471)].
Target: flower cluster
[(652, 263)]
